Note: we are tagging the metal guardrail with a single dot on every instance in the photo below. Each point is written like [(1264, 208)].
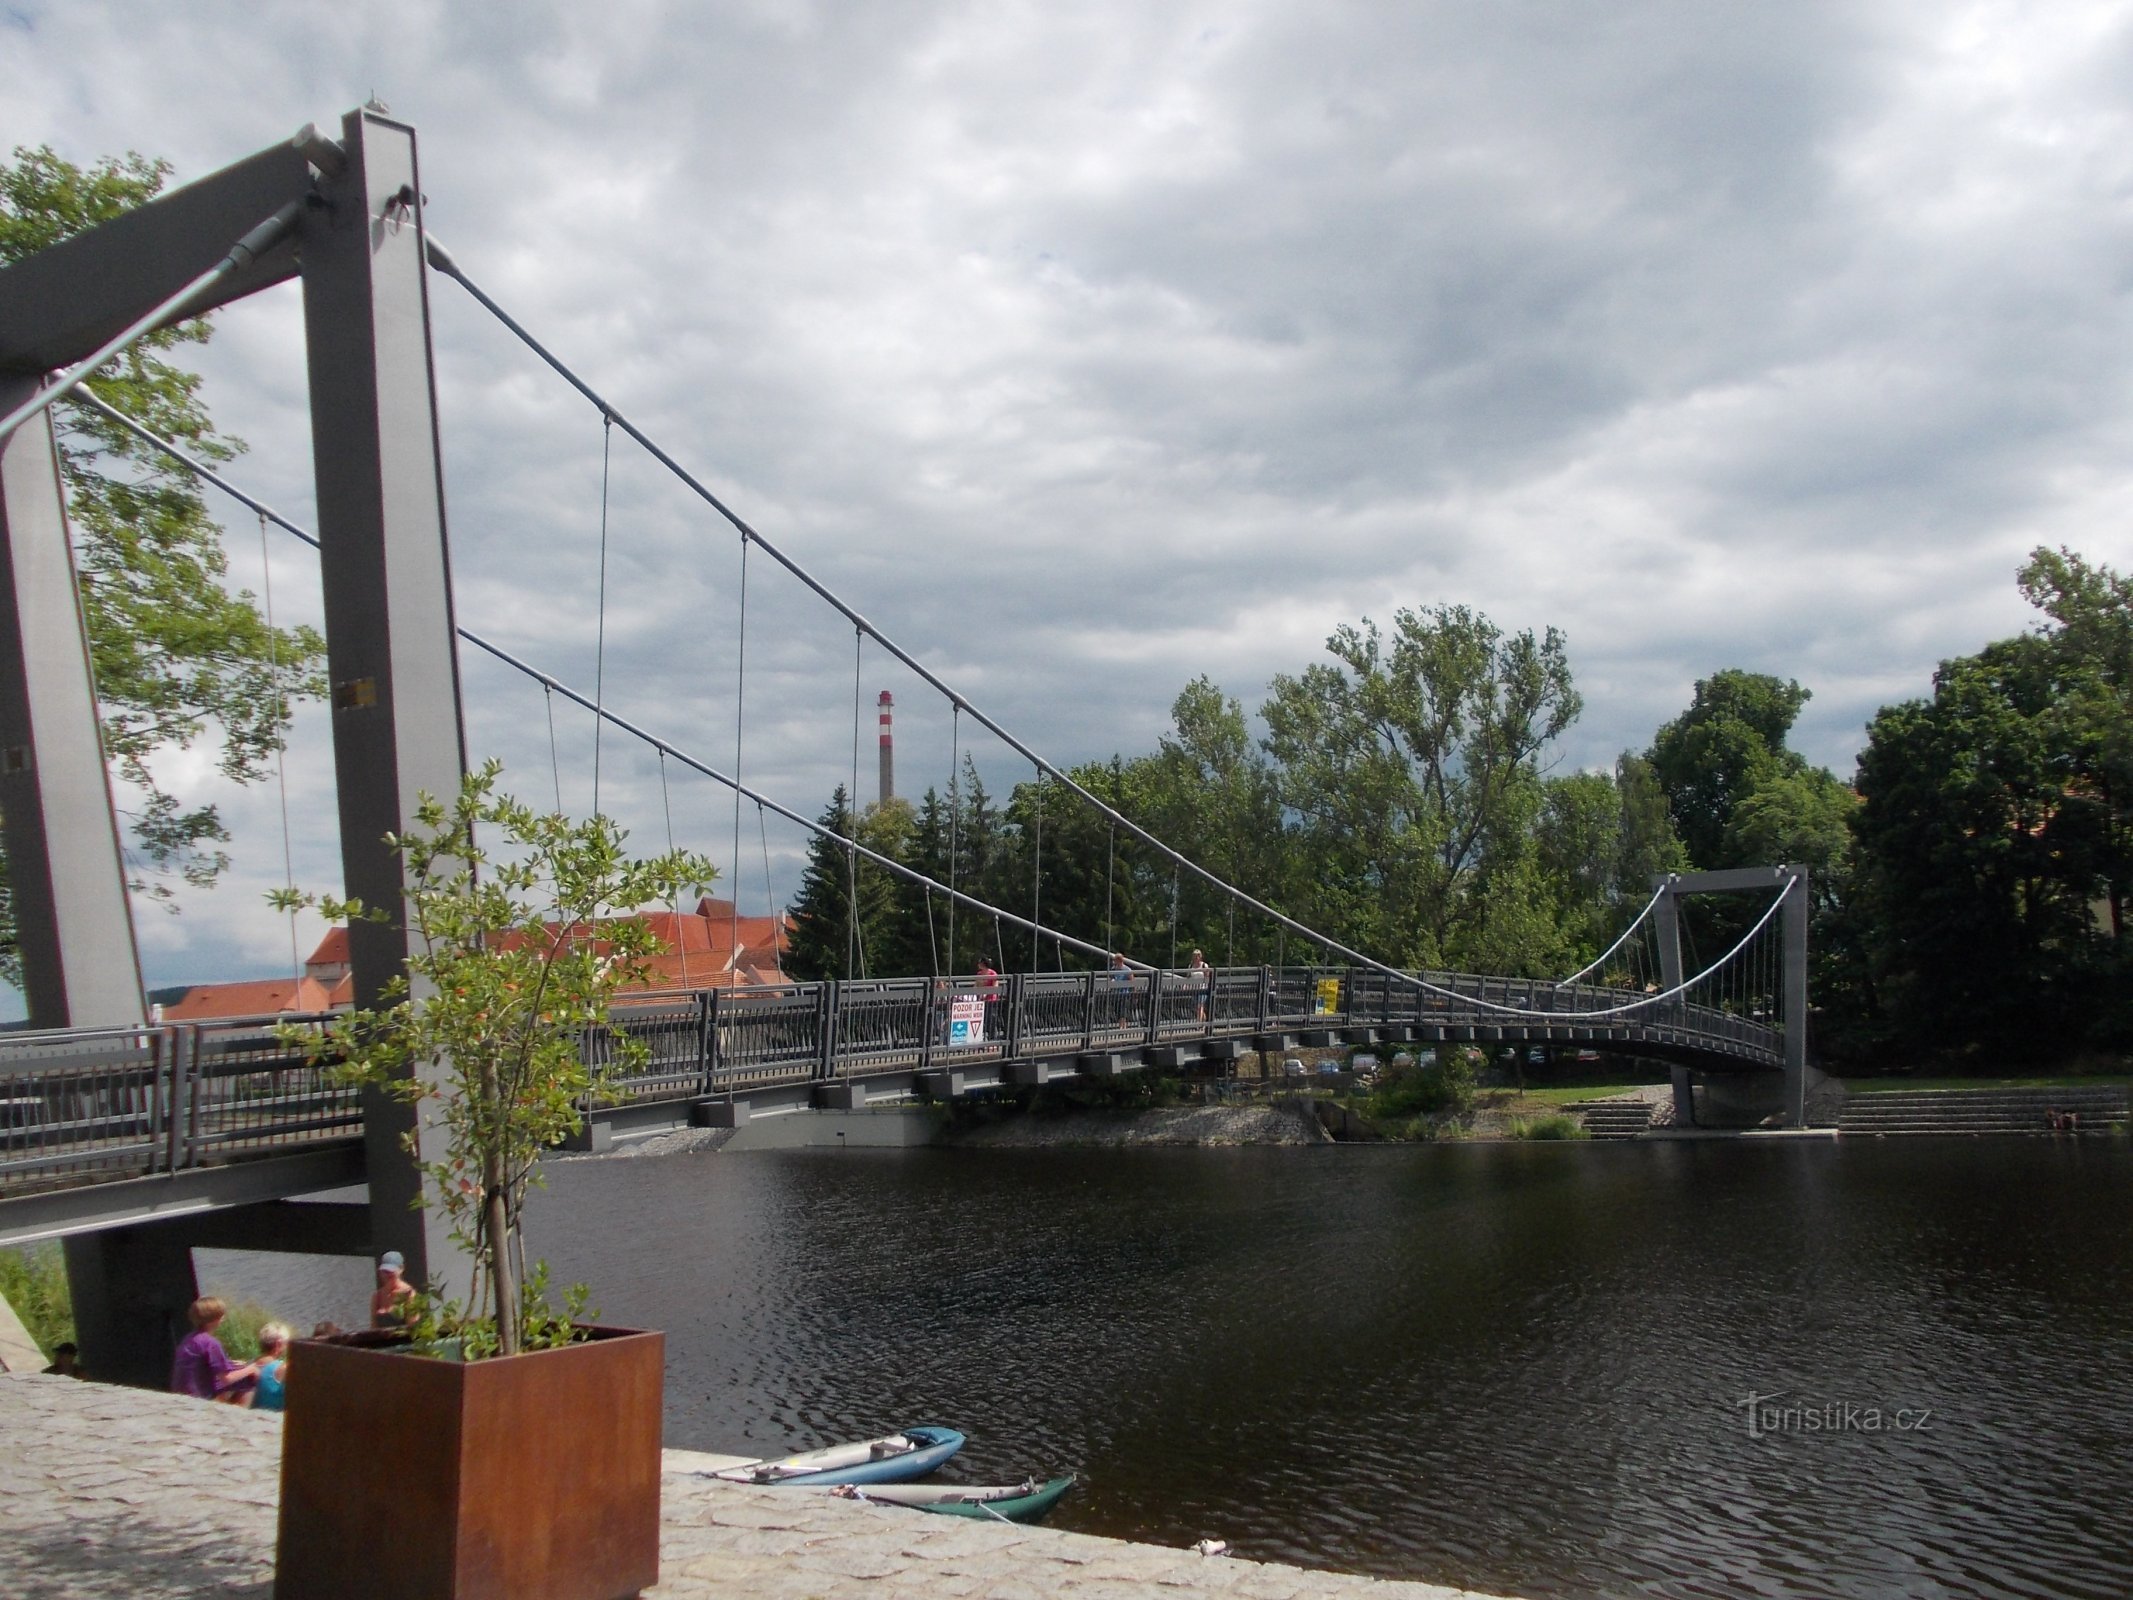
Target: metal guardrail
[(92, 1106)]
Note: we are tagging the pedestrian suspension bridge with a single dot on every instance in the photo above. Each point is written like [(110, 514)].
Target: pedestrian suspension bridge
[(137, 1141)]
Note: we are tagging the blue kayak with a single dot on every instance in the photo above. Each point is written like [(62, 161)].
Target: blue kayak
[(893, 1458)]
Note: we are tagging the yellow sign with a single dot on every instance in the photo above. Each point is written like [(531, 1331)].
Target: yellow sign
[(1329, 997)]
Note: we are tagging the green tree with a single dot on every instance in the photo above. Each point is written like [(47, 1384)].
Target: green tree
[(1411, 767), (826, 942), (1978, 861), (1601, 839), (2092, 717), (176, 652), (513, 966), (1212, 794), (1729, 742)]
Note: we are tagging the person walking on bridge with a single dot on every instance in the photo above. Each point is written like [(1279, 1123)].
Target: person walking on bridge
[(1121, 989), (1202, 978), (989, 993)]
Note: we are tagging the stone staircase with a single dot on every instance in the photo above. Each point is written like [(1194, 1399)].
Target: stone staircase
[(1978, 1111), (1613, 1119)]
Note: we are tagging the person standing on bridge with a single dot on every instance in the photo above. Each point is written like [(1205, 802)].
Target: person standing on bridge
[(1202, 977), (989, 992), (1121, 989)]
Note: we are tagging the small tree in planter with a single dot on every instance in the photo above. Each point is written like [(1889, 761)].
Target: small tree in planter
[(534, 1477), (508, 986)]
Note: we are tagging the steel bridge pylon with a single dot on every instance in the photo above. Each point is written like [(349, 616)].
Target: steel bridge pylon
[(345, 217), (1672, 888)]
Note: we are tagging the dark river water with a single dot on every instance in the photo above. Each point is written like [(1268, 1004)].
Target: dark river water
[(1518, 1368)]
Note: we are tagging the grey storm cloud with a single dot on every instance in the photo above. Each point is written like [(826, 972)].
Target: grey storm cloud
[(1090, 348)]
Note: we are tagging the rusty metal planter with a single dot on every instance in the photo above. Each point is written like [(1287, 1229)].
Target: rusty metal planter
[(531, 1478)]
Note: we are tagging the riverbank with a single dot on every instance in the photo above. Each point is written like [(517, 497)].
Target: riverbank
[(135, 1495)]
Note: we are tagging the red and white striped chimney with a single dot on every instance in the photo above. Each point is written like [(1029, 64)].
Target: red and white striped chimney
[(888, 751)]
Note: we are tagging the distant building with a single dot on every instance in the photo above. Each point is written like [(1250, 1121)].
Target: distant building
[(708, 948)]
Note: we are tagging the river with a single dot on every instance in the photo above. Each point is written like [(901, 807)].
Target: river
[(1519, 1368)]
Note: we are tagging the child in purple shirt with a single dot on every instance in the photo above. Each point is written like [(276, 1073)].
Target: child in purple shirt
[(202, 1368)]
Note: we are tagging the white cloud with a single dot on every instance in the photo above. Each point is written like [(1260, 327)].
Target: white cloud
[(1090, 348)]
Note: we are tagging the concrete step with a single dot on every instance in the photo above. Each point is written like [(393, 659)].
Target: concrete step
[(1980, 1111), (1612, 1119)]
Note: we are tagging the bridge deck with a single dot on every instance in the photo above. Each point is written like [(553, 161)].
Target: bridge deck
[(97, 1108)]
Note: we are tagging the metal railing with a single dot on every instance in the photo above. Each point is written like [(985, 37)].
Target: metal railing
[(92, 1106)]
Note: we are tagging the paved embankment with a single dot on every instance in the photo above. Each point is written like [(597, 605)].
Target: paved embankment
[(123, 1493)]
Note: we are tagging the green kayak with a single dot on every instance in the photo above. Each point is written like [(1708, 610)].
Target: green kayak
[(1027, 1501)]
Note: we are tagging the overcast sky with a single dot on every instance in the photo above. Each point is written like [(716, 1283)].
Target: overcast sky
[(1089, 348)]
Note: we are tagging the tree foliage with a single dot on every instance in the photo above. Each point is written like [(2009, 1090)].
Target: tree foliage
[(1992, 834), (1411, 764), (178, 655), (517, 955)]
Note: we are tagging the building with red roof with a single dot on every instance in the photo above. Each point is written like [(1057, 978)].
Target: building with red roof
[(711, 947)]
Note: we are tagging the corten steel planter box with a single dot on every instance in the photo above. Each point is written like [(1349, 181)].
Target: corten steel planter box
[(532, 1478)]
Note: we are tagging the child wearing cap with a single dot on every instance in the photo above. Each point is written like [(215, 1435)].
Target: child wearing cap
[(389, 1306)]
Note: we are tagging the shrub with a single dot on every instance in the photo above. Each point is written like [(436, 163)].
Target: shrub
[(1556, 1125), (34, 1282), (1438, 1087), (239, 1331)]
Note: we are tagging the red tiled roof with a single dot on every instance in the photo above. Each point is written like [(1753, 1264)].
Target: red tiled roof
[(258, 997), (699, 952), (332, 950)]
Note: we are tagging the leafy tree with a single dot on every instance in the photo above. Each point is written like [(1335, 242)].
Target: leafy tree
[(1979, 861), (1211, 793), (2092, 716), (1728, 743), (514, 964), (1601, 839), (1410, 765), (176, 652)]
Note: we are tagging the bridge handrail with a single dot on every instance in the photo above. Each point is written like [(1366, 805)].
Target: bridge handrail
[(89, 1105)]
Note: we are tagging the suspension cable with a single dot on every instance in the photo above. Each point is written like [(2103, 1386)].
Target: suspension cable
[(681, 941), (888, 863), (281, 745), (607, 434), (740, 692), (442, 260), (770, 894), (1036, 875), (555, 761), (955, 815), (554, 685), (851, 904), (1649, 906)]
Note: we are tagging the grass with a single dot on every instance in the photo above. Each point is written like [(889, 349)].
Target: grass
[(34, 1282)]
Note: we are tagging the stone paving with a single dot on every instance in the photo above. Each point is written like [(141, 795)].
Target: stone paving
[(119, 1492)]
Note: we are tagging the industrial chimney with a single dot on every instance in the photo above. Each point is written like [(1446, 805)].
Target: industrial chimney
[(888, 751)]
